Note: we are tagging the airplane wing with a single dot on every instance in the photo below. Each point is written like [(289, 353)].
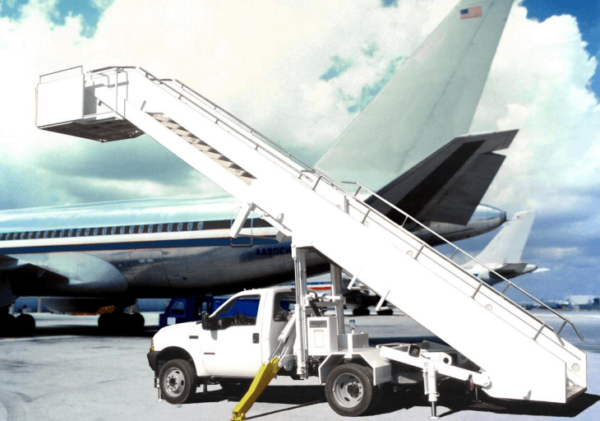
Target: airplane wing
[(29, 272), (448, 185)]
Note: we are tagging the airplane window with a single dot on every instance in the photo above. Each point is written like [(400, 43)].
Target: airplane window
[(122, 230), (132, 229), (160, 227), (150, 228), (10, 236), (180, 226), (46, 234), (53, 234), (78, 233), (170, 227), (113, 230), (61, 233), (200, 225), (104, 230), (190, 226), (38, 234), (71, 233), (95, 232), (87, 232)]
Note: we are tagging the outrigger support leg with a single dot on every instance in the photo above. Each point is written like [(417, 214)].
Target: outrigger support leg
[(430, 383)]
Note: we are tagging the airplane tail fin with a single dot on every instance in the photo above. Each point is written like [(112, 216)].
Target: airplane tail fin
[(430, 101), (507, 246)]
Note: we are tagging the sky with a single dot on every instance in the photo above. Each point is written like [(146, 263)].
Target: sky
[(301, 71)]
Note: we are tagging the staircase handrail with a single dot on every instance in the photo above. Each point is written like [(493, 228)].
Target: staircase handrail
[(472, 258)]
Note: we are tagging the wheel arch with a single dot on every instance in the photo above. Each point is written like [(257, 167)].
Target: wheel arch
[(382, 369), (174, 353)]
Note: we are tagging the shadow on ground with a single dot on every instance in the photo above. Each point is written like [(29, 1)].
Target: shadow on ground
[(457, 402), (78, 330), (452, 402)]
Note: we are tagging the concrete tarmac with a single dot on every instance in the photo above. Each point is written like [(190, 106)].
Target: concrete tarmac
[(68, 370)]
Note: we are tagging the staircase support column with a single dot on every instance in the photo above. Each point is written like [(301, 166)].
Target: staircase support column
[(299, 255)]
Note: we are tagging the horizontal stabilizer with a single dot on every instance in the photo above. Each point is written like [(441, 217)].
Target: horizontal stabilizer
[(448, 185)]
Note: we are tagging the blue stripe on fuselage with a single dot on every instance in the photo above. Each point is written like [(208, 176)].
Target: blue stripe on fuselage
[(136, 245)]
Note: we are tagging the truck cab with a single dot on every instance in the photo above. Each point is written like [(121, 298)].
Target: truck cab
[(209, 350)]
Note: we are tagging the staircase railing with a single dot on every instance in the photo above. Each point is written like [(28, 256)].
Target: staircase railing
[(482, 284)]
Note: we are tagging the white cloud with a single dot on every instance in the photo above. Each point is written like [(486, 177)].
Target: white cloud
[(263, 62)]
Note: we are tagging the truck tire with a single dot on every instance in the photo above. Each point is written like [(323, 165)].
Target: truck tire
[(235, 387), (177, 381), (350, 391)]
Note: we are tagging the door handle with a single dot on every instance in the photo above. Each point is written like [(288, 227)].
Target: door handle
[(255, 338)]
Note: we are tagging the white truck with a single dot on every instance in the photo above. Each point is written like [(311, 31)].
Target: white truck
[(229, 347)]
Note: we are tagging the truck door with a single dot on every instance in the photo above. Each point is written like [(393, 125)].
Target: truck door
[(233, 348)]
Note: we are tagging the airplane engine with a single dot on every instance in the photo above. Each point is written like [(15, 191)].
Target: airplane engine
[(83, 305)]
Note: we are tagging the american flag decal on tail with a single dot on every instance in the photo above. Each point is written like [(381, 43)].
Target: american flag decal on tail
[(471, 12)]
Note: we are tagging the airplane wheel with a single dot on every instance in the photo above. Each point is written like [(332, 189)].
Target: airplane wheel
[(361, 311), (137, 322), (350, 391), (24, 325), (106, 322), (7, 324), (177, 381)]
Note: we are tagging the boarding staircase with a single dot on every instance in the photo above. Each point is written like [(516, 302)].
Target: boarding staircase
[(524, 357)]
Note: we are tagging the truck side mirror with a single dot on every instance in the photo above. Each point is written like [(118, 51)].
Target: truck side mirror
[(204, 318)]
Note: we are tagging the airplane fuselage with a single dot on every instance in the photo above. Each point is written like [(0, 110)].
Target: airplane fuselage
[(114, 250)]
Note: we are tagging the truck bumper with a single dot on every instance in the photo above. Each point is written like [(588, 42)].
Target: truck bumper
[(152, 356)]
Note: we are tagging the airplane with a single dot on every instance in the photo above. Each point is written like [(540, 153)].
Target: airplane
[(94, 255), (502, 255)]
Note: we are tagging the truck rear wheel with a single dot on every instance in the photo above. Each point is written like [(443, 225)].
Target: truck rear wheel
[(349, 390), (177, 381)]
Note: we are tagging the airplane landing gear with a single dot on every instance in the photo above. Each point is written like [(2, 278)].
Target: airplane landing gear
[(121, 323), (23, 325), (7, 324), (361, 311)]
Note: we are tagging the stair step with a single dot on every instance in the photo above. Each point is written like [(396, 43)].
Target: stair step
[(170, 124), (160, 117), (192, 139), (181, 131), (204, 148)]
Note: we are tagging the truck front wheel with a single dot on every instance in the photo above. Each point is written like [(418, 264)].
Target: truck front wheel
[(349, 390), (177, 381)]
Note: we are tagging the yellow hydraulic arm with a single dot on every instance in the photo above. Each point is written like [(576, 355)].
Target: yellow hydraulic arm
[(260, 382)]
